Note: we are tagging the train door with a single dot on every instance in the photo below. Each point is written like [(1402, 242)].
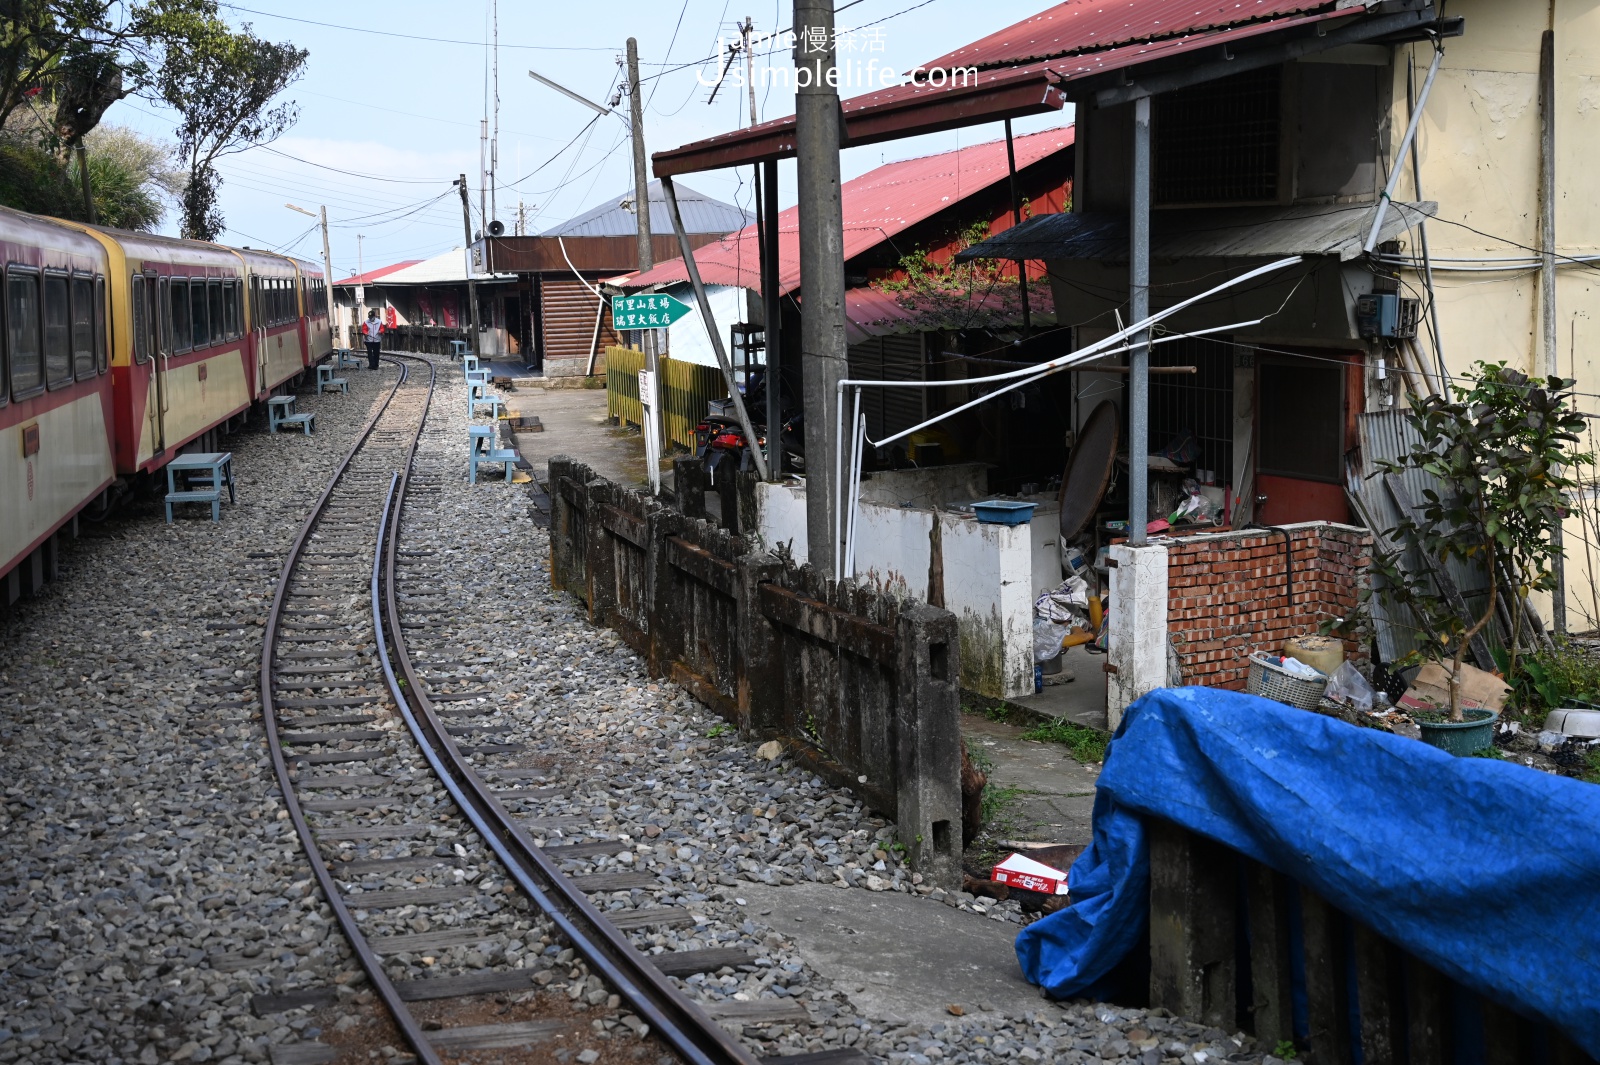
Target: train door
[(258, 334), (159, 365)]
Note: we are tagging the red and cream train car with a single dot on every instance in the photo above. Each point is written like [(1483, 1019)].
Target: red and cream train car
[(55, 391), (120, 350)]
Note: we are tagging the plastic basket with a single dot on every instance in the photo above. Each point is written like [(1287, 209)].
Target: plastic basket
[(1271, 681)]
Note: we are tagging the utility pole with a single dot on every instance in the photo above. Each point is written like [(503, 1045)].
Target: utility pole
[(472, 285), (483, 174), (823, 349), (361, 286), (494, 140), (327, 257), (641, 176), (647, 255)]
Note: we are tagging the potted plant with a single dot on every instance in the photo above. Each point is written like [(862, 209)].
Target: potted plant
[(1499, 448)]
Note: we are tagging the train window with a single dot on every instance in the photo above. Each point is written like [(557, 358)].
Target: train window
[(57, 332), (197, 312), (179, 303), (161, 325), (219, 328), (141, 322), (83, 360), (101, 342), (22, 348), (230, 308)]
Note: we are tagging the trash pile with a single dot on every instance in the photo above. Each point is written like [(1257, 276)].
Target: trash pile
[(1065, 616)]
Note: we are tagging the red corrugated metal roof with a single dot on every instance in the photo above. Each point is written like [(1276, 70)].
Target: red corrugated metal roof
[(870, 312), (376, 272), (1017, 88), (877, 205), (1081, 25)]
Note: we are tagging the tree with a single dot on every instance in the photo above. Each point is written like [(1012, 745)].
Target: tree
[(222, 84), (131, 177), (87, 54), (1499, 450)]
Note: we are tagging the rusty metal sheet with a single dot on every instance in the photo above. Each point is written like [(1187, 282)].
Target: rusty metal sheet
[(1081, 25)]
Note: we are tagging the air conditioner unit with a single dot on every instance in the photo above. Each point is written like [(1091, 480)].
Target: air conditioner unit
[(1385, 314)]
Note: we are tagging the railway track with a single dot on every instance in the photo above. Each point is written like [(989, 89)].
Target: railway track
[(369, 761)]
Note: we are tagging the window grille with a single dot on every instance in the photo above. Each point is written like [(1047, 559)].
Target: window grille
[(1218, 142), (1201, 404)]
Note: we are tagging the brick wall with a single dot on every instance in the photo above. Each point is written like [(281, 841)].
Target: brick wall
[(1226, 595)]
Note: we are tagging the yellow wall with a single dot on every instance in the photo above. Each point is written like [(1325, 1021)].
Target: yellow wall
[(1479, 148), (193, 404)]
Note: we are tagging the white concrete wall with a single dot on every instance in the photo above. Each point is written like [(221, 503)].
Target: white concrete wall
[(686, 338), (988, 586), (1137, 646), (987, 574)]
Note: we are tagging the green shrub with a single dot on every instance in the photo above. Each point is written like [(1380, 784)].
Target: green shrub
[(1087, 745)]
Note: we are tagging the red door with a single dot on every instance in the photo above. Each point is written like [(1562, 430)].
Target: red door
[(1304, 414)]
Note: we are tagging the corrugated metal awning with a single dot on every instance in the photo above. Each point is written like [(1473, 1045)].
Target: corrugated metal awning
[(1335, 230), (869, 312)]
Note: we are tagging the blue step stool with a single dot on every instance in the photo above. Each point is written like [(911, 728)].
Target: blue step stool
[(281, 412), (326, 380)]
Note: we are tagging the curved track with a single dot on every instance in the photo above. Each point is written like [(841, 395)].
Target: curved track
[(335, 625)]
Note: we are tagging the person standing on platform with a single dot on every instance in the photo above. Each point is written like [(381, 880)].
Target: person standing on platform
[(372, 333)]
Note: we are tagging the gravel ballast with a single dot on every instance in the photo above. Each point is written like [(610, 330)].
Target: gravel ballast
[(152, 885)]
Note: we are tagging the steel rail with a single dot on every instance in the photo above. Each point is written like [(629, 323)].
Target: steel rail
[(681, 1023), (381, 984)]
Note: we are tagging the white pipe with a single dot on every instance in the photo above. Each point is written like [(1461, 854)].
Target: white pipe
[(1405, 149), (855, 493), (838, 480)]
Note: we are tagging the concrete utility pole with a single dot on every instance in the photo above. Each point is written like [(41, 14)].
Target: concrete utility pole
[(641, 175), (823, 350), (1547, 281), (327, 257), (472, 285), (361, 285)]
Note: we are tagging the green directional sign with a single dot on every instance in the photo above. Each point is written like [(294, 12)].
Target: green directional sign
[(656, 310)]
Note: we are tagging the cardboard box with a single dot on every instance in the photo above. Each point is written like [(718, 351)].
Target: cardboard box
[(1029, 875), (1431, 689)]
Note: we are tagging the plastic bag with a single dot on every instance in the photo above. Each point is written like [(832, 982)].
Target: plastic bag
[(1194, 506), (1065, 604), (1347, 685), (1047, 637)]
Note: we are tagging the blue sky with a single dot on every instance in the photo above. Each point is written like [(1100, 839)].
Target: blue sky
[(400, 115)]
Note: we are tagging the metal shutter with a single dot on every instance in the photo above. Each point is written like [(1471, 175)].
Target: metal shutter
[(889, 358)]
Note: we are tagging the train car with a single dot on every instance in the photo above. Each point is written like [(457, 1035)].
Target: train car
[(179, 358), (316, 329), (56, 396), (273, 316)]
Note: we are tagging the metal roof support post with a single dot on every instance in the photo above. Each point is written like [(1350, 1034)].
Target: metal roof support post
[(772, 317), (1016, 220), (1138, 311), (823, 347), (711, 328)]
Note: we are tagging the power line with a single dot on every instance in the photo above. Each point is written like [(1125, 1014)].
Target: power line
[(353, 173), (369, 32)]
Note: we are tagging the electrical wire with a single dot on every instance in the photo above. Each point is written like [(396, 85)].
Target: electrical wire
[(367, 31), (353, 173)]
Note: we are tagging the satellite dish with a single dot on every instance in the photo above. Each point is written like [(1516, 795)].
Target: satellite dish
[(497, 228), (1088, 472)]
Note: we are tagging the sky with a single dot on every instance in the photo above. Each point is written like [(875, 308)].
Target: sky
[(393, 95)]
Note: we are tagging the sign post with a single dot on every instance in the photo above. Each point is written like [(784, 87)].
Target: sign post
[(654, 310), (652, 430)]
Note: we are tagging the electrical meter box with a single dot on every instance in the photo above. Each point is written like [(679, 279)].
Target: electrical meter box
[(1386, 314)]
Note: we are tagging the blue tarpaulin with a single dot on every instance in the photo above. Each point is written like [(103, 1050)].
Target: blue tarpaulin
[(1486, 870)]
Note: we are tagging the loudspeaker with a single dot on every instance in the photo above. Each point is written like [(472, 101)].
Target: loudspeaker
[(497, 228)]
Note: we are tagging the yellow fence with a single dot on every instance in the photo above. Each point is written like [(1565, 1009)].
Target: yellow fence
[(686, 388)]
